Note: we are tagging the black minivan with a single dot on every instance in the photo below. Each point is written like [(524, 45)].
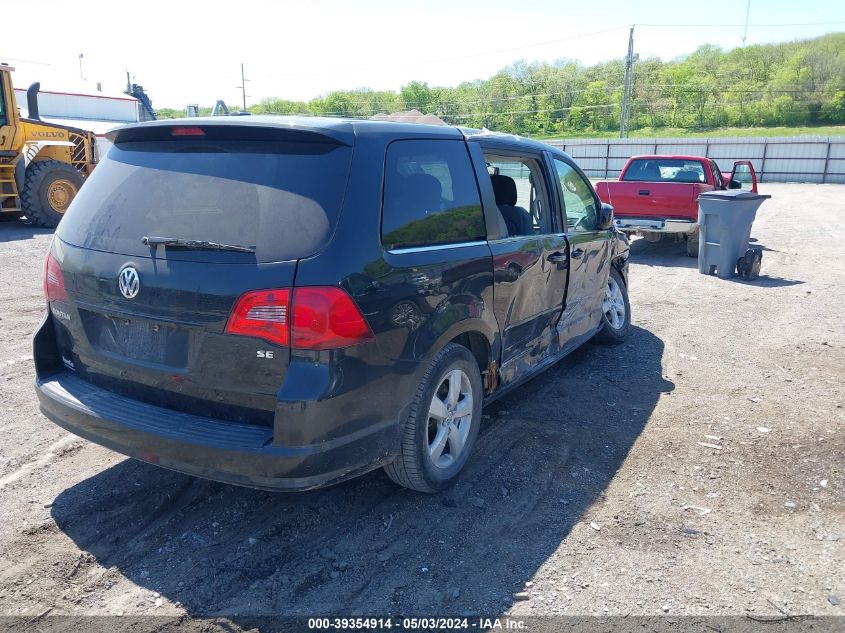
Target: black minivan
[(284, 303)]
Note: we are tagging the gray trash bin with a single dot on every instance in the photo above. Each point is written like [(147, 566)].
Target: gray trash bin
[(725, 219)]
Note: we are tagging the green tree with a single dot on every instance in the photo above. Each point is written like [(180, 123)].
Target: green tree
[(789, 83), (417, 96)]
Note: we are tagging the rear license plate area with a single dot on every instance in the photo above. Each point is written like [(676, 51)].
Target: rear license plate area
[(137, 339)]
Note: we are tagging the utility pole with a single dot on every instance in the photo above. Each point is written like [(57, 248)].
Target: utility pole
[(745, 31), (243, 85), (81, 76), (626, 94)]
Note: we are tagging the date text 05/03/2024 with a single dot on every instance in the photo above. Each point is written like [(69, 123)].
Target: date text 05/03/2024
[(414, 624)]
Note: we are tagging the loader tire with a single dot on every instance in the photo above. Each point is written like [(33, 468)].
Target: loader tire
[(48, 189)]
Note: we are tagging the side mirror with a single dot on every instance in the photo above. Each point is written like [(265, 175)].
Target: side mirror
[(605, 219)]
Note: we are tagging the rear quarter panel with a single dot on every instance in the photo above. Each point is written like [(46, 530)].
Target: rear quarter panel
[(414, 301)]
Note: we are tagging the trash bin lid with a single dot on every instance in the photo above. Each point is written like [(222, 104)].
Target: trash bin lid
[(733, 194)]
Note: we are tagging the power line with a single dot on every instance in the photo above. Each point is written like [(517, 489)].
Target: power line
[(544, 110), (465, 115), (493, 113), (440, 112), (525, 47), (26, 61), (344, 115), (396, 98), (364, 109), (529, 95), (721, 24), (447, 59), (441, 104), (682, 88)]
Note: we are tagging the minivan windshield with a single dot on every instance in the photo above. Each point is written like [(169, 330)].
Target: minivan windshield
[(278, 199)]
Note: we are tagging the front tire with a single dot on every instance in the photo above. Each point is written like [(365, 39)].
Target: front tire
[(442, 423), (616, 310), (49, 188)]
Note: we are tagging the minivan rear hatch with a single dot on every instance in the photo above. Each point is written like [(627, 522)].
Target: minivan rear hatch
[(198, 214)]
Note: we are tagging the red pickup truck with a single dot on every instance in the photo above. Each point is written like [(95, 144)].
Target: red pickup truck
[(658, 195)]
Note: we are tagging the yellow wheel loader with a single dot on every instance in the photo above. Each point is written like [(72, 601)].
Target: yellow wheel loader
[(42, 165)]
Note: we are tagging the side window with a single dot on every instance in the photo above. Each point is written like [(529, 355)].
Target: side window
[(430, 195), (3, 120), (578, 200), (521, 194)]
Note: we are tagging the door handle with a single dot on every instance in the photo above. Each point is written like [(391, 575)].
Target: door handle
[(577, 253), (557, 257), (645, 192)]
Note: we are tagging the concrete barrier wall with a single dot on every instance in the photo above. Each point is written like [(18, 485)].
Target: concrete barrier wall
[(819, 159)]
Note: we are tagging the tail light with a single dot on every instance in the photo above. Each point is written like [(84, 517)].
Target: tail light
[(326, 318), (54, 281), (316, 318), (187, 131), (263, 314)]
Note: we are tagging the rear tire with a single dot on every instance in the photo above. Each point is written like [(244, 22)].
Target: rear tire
[(48, 189), (442, 423), (616, 311), (692, 244)]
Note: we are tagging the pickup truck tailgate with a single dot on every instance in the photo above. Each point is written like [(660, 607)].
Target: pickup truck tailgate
[(653, 199)]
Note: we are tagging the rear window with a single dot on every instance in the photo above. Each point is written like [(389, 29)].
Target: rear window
[(430, 195), (282, 198), (665, 169)]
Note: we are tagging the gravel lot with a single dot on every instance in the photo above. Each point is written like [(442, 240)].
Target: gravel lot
[(698, 469)]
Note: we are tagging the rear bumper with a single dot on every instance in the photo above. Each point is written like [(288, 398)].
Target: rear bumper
[(655, 225), (224, 451)]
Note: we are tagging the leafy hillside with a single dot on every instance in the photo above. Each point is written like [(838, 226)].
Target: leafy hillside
[(798, 83)]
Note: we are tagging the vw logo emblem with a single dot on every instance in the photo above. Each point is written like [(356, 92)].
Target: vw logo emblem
[(129, 282)]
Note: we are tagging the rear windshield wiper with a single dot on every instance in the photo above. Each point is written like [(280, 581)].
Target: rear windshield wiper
[(179, 242)]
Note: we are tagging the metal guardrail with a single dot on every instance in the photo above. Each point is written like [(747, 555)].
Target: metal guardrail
[(776, 159)]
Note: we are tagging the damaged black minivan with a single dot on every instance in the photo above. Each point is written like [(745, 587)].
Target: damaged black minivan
[(284, 303)]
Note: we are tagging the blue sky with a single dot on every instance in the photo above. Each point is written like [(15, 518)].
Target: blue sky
[(191, 52)]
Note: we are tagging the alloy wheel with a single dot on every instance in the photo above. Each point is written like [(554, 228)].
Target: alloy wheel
[(613, 304), (449, 418)]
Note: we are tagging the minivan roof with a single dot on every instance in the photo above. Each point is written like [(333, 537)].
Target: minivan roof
[(338, 129), (472, 134), (343, 130)]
